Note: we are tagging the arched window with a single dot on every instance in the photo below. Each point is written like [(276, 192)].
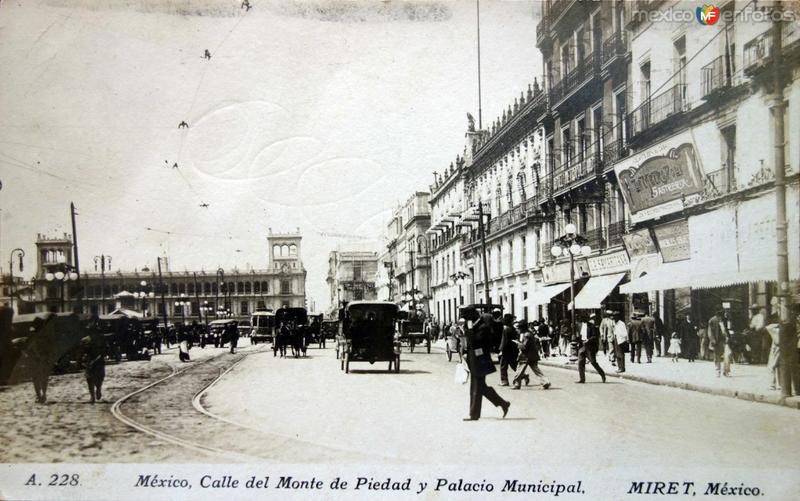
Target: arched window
[(214, 287), (276, 250), (240, 288), (174, 289), (265, 287), (231, 288), (114, 289), (182, 288), (510, 193), (522, 183), (293, 250), (247, 287), (257, 287), (498, 200), (207, 288), (284, 250), (190, 288)]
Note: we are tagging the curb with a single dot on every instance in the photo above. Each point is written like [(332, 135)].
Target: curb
[(790, 402)]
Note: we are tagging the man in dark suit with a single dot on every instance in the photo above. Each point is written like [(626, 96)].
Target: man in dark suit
[(590, 337), (508, 348), (635, 337), (648, 336), (479, 346)]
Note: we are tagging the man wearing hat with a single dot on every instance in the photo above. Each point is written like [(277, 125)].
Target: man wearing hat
[(620, 341), (635, 336), (590, 345), (479, 362), (607, 335), (757, 326)]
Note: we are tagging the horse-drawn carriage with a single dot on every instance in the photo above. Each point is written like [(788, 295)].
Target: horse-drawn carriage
[(292, 327), (369, 334), (263, 330), (412, 331)]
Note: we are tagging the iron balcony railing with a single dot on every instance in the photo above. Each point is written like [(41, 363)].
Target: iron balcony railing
[(718, 74), (542, 30), (657, 109), (758, 51), (581, 167), (574, 78), (614, 46), (614, 151)]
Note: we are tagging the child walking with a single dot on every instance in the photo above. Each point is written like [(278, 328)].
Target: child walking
[(674, 346)]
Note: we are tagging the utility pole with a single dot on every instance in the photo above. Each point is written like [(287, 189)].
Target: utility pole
[(197, 298), (483, 253), (78, 285), (480, 111), (778, 109), (163, 300)]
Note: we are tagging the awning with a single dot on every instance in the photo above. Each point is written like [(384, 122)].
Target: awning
[(543, 295), (685, 274), (595, 291)]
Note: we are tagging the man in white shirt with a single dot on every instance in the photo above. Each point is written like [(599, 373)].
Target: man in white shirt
[(620, 341)]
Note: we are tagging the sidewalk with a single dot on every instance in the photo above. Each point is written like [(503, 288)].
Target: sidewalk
[(747, 382)]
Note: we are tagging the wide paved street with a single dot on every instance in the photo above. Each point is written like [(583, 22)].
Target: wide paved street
[(267, 409), (374, 416)]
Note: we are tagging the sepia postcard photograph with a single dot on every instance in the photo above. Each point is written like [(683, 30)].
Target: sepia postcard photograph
[(399, 249)]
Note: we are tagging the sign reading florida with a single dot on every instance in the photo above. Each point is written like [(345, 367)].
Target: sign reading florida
[(666, 173)]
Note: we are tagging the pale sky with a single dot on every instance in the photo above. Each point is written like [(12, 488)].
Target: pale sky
[(317, 115)]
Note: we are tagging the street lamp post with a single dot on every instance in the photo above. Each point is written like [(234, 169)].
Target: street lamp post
[(104, 263), (61, 277), (183, 304), (21, 254), (459, 278), (571, 244), (220, 283), (205, 309)]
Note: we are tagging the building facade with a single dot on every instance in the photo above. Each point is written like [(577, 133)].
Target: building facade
[(406, 276), (351, 276), (181, 296), (705, 118), (638, 149)]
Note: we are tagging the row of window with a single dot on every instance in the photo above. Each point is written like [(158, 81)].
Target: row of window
[(176, 289)]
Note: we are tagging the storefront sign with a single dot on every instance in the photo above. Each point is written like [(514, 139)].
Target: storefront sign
[(604, 264), (673, 240), (639, 243), (559, 273), (656, 181)]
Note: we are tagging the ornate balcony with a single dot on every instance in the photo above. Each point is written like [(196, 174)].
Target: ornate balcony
[(615, 46), (718, 75), (581, 168), (614, 152), (655, 110), (575, 78), (757, 53)]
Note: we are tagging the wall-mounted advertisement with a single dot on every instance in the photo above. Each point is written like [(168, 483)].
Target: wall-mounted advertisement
[(673, 240), (639, 243), (657, 181)]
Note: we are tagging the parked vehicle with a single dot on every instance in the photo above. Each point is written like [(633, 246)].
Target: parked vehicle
[(369, 334), (412, 331), (245, 327), (218, 332), (263, 327)]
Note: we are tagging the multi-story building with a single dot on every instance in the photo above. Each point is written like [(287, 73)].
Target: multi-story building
[(586, 56), (182, 295), (699, 168), (450, 282), (351, 275), (407, 255), (504, 178)]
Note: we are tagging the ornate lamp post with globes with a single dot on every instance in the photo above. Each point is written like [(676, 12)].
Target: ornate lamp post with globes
[(571, 244)]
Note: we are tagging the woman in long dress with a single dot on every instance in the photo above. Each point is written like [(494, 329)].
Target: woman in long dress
[(688, 335)]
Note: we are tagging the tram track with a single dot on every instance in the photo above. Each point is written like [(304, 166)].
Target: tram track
[(171, 409)]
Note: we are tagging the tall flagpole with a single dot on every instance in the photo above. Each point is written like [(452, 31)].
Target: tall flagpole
[(480, 117)]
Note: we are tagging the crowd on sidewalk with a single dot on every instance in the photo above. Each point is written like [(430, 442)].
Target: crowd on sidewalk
[(638, 340)]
